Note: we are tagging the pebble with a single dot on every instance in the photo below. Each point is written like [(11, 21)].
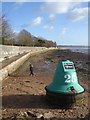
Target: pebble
[(41, 83), (71, 111), (25, 114), (21, 113), (39, 116), (48, 115), (81, 116), (17, 88), (27, 81), (4, 110)]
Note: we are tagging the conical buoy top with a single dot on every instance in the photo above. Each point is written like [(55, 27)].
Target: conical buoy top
[(65, 79)]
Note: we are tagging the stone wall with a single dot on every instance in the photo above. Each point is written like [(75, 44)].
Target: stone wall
[(6, 71), (10, 51)]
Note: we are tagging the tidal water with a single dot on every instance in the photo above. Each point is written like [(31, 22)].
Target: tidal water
[(82, 49)]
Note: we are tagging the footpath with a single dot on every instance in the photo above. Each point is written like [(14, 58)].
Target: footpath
[(8, 61)]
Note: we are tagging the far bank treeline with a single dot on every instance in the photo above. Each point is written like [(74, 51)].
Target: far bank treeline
[(23, 38)]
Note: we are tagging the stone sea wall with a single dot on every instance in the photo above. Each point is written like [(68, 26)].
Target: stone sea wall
[(10, 51)]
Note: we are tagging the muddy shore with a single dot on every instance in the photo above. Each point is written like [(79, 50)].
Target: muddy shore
[(24, 95)]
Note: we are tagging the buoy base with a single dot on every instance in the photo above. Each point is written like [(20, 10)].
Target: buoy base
[(63, 99)]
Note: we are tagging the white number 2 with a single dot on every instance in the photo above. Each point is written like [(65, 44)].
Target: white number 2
[(68, 77)]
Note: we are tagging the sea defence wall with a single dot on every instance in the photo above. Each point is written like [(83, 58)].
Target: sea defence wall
[(10, 51), (9, 69)]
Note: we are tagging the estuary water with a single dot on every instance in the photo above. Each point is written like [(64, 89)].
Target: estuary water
[(82, 49)]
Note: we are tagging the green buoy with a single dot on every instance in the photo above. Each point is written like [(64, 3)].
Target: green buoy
[(65, 88)]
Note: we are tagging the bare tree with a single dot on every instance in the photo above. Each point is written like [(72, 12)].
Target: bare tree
[(5, 29)]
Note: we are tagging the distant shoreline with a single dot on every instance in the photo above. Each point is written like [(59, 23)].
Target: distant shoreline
[(81, 49), (72, 46)]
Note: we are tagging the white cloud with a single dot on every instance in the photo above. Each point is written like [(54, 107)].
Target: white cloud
[(34, 22), (50, 20), (55, 8), (48, 27), (78, 14), (45, 26), (51, 27), (49, 24), (64, 30), (51, 16), (58, 7)]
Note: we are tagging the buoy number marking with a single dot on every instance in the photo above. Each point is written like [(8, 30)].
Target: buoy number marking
[(70, 78)]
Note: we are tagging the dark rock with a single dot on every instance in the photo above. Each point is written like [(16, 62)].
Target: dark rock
[(88, 62), (14, 117), (81, 116), (30, 113), (6, 57)]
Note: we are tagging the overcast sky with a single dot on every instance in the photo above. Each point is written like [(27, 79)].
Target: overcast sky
[(63, 22)]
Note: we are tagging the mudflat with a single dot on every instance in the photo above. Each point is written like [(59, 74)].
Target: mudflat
[(23, 96)]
